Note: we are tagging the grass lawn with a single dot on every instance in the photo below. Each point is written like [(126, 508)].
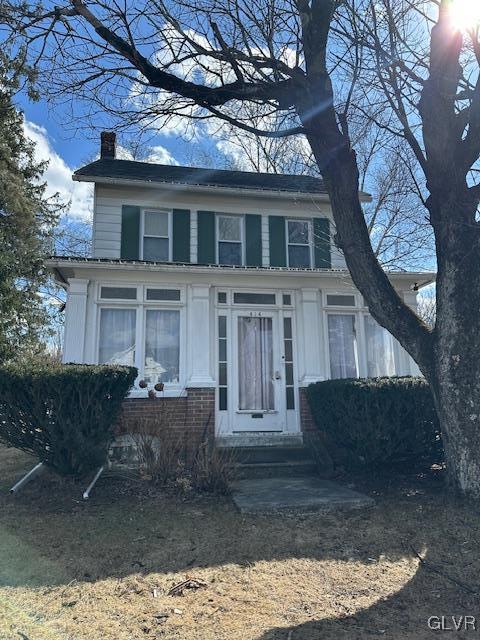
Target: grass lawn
[(102, 569)]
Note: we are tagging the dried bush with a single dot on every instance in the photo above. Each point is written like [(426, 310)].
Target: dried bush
[(213, 468)]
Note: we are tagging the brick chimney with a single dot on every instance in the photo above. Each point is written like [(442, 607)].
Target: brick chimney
[(108, 142)]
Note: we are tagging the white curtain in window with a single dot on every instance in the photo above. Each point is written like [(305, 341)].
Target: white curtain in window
[(117, 336), (162, 346), (380, 357), (341, 339), (255, 364)]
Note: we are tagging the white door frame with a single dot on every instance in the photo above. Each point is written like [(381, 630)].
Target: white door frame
[(258, 420)]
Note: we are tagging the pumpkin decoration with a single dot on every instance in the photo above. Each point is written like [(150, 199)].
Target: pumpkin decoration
[(159, 386)]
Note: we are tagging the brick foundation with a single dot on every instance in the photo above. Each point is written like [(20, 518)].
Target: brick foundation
[(188, 420)]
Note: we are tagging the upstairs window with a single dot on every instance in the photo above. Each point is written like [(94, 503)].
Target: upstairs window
[(230, 239), (299, 244), (156, 236)]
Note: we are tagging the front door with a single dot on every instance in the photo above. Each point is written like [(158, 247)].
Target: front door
[(258, 385)]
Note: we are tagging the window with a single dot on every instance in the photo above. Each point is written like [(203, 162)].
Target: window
[(222, 297), (254, 298), (163, 294), (162, 346), (288, 348), (298, 241), (287, 299), (156, 236), (222, 364), (118, 293), (380, 357), (342, 346), (117, 336), (230, 240), (335, 300)]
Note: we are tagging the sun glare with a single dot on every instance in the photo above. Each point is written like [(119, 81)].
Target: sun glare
[(466, 14)]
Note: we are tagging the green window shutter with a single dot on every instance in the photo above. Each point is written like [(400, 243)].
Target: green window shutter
[(206, 237), (278, 252), (130, 236), (321, 239), (253, 240), (181, 235)]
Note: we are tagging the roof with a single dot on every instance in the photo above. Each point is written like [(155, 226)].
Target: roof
[(195, 176)]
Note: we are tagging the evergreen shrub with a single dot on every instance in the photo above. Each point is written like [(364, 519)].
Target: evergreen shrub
[(378, 422), (64, 415)]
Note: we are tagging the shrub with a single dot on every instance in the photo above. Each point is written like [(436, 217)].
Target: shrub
[(377, 422), (63, 414)]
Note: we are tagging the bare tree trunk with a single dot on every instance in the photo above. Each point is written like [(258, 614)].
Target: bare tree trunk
[(447, 356), (454, 374)]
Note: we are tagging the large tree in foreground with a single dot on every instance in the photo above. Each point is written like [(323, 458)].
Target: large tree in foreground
[(26, 222), (160, 60)]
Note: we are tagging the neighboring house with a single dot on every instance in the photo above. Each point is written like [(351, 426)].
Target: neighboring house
[(226, 287)]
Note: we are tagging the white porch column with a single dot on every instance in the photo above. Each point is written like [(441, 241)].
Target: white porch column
[(75, 320), (200, 337), (311, 336)]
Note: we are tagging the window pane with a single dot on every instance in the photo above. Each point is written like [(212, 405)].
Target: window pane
[(341, 340), (229, 228), (155, 249), (117, 336), (298, 231), (288, 350), (290, 393), (163, 294), (380, 359), (287, 328), (119, 293), (340, 300), (156, 224), (222, 350), (162, 346), (254, 298), (229, 253), (298, 256), (222, 399), (222, 326)]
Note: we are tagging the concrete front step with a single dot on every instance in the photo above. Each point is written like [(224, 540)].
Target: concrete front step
[(273, 462), (259, 470), (259, 439)]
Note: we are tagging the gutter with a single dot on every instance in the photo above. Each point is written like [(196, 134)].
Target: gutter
[(182, 187), (55, 263)]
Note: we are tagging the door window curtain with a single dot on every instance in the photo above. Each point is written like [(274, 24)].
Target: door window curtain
[(162, 346), (255, 364), (341, 340), (380, 356), (117, 336)]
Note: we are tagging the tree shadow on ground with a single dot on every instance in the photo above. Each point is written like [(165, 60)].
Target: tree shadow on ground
[(49, 536)]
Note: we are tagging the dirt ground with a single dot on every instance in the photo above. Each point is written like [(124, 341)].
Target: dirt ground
[(102, 569)]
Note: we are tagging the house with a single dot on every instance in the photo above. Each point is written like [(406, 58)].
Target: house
[(226, 287)]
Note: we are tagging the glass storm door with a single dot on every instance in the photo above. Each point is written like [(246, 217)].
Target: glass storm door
[(258, 379)]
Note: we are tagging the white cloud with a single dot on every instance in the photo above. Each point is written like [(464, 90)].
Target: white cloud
[(58, 175), (156, 154)]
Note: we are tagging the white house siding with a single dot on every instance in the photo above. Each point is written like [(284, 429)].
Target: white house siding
[(107, 220)]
